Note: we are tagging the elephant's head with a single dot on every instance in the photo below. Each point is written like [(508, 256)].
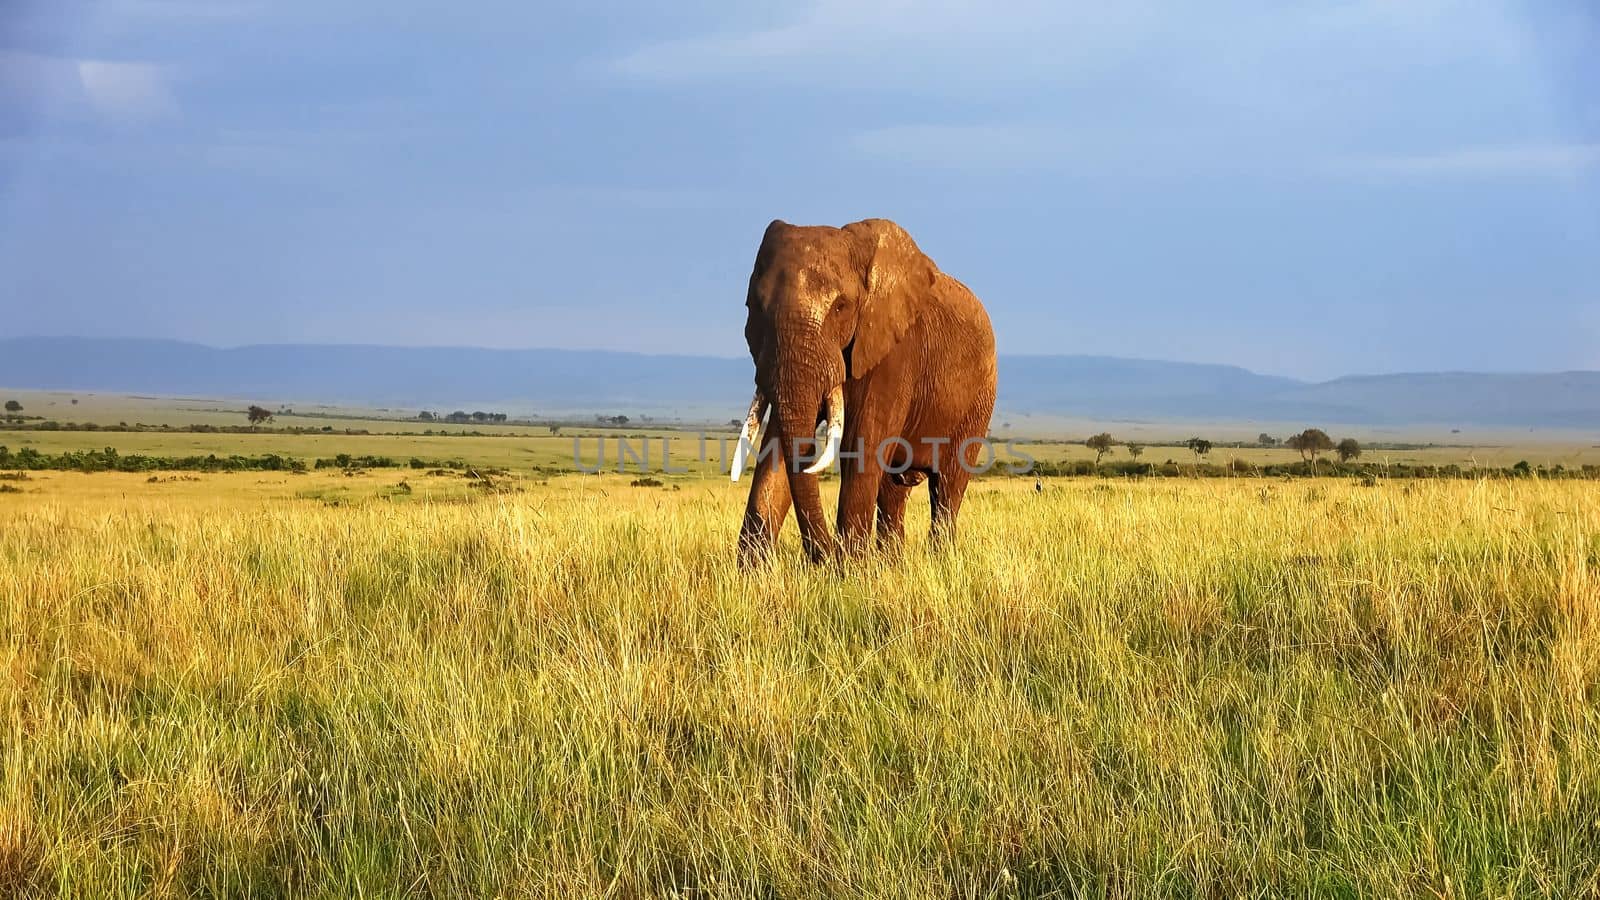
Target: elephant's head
[(825, 305)]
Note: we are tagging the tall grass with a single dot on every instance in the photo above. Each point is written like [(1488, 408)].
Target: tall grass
[(1229, 688)]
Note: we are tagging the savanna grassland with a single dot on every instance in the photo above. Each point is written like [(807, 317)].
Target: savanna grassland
[(385, 684)]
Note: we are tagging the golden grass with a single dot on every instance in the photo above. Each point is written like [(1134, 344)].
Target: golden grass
[(1166, 688)]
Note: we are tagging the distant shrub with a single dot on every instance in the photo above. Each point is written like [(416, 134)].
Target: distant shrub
[(109, 460), (1307, 469), (348, 461)]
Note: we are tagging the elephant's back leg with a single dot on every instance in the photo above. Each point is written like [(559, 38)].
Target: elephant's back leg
[(946, 489), (893, 492), (948, 486)]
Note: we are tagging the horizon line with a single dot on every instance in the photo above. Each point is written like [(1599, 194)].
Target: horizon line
[(710, 356)]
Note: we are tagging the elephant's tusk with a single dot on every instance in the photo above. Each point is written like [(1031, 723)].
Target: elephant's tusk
[(830, 452), (747, 437)]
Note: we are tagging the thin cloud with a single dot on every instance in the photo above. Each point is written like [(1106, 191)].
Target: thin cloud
[(128, 92), (36, 82), (896, 33), (184, 9), (1028, 39), (63, 87), (1165, 150), (986, 146), (1542, 160), (712, 54)]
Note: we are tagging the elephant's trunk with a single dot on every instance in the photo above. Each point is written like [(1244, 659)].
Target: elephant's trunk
[(800, 392)]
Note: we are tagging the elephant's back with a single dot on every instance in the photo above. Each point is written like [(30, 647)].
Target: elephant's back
[(960, 366), (966, 324)]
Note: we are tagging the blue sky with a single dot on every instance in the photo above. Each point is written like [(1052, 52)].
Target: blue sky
[(1309, 188)]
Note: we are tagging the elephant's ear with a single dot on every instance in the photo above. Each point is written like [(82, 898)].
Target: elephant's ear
[(753, 332), (896, 276)]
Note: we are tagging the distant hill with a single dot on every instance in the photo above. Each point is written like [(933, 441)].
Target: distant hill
[(567, 380)]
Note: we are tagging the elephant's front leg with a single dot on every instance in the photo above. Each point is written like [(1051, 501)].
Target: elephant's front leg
[(862, 475), (875, 417), (768, 503)]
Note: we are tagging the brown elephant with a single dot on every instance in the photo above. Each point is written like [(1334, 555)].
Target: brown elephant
[(857, 327)]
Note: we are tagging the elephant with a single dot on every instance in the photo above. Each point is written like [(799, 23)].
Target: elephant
[(856, 327)]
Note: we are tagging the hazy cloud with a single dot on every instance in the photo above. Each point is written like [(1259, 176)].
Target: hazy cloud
[(184, 9), (1522, 160), (38, 83), (61, 87), (126, 92), (990, 146), (1094, 149), (893, 34), (966, 41)]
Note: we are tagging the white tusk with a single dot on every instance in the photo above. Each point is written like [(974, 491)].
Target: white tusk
[(830, 452), (747, 437)]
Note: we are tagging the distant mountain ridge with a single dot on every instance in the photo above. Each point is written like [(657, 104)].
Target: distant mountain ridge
[(567, 380)]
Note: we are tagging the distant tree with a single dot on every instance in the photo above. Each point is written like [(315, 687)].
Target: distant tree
[(1135, 450), (74, 401), (1200, 447), (735, 423), (1101, 444), (257, 415), (458, 417), (618, 420), (1266, 440), (555, 429), (1309, 443), (12, 406), (425, 416), (1348, 449)]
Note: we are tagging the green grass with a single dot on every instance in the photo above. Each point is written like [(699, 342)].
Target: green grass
[(519, 452), (528, 451), (1229, 688)]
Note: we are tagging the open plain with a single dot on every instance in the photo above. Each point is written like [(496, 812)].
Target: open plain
[(388, 683)]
